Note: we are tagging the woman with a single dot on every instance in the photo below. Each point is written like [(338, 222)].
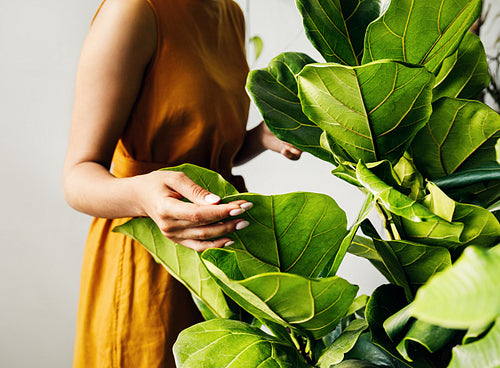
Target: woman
[(159, 83)]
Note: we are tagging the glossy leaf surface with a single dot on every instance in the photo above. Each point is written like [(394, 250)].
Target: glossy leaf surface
[(465, 73), (465, 295), (484, 353), (420, 31), (343, 344), (460, 134), (225, 343), (297, 232), (372, 111), (274, 91), (489, 170), (336, 28), (312, 306)]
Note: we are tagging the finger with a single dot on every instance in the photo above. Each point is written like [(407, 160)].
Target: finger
[(291, 153), (194, 215), (212, 231), (182, 184), (200, 246)]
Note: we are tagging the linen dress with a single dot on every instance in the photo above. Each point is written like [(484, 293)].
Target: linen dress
[(192, 108)]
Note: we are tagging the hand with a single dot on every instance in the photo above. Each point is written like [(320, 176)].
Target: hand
[(195, 225), (271, 142)]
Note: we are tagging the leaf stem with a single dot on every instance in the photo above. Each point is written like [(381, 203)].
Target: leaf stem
[(389, 224)]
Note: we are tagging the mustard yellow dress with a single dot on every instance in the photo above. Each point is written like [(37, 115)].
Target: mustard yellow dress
[(192, 108)]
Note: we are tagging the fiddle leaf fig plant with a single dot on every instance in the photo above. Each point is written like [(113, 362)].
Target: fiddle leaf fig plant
[(391, 109)]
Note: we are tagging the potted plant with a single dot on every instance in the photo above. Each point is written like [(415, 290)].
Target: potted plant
[(392, 109)]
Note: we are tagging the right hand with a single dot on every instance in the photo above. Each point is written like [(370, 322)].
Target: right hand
[(197, 225)]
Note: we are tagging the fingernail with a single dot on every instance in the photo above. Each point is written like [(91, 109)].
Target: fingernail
[(242, 225), (236, 212), (212, 198), (246, 206), (229, 243)]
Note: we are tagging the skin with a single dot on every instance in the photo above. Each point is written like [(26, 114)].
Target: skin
[(119, 46)]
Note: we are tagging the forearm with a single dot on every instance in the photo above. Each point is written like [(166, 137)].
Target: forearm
[(260, 139), (90, 188), (252, 147)]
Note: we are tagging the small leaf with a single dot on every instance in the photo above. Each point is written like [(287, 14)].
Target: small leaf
[(420, 32), (258, 45), (372, 111), (222, 343), (334, 354), (336, 28), (465, 295), (372, 355)]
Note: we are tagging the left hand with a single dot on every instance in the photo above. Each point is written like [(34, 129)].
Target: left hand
[(271, 142)]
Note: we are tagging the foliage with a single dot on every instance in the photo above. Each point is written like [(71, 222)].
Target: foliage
[(391, 109)]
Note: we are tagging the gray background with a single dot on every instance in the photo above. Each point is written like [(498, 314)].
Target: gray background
[(41, 238)]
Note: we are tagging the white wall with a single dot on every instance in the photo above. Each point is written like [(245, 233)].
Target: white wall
[(41, 238)]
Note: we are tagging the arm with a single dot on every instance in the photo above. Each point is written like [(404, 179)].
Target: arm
[(259, 139), (120, 45)]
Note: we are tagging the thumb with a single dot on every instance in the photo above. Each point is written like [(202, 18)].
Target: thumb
[(183, 185)]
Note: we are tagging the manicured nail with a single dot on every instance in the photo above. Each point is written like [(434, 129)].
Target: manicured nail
[(246, 206), (236, 212), (242, 225), (229, 243), (212, 198)]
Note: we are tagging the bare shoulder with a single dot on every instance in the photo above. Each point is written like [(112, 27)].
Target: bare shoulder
[(131, 21)]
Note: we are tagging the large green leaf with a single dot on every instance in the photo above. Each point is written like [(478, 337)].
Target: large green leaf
[(297, 232), (484, 353), (181, 262), (465, 295), (420, 261), (365, 248), (274, 91), (460, 134), (420, 31), (311, 306), (222, 343), (465, 73), (372, 111), (337, 27)]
